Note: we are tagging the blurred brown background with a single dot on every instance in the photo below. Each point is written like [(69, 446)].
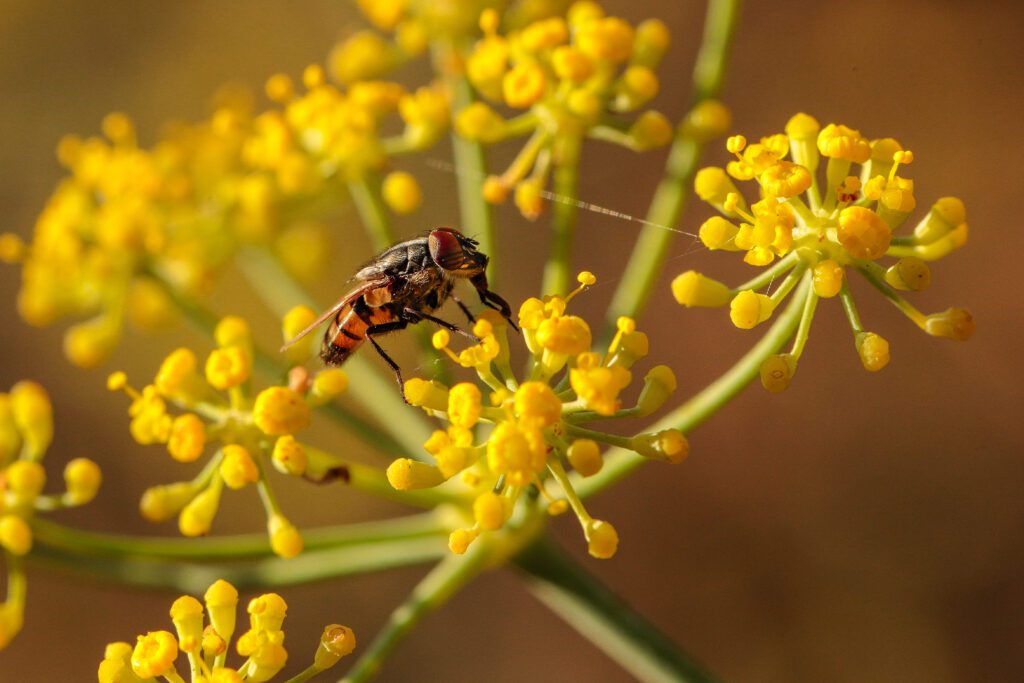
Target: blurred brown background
[(856, 528)]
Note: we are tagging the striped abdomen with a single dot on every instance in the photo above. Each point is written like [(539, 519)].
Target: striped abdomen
[(348, 330)]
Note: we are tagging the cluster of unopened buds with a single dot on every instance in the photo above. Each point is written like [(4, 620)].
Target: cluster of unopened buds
[(250, 430), (531, 430), (26, 430), (155, 654), (814, 233), (574, 76)]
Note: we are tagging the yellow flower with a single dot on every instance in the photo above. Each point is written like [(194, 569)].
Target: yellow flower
[(279, 410), (262, 645), (568, 73), (536, 421), (814, 227)]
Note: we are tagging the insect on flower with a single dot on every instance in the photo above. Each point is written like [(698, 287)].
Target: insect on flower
[(401, 286)]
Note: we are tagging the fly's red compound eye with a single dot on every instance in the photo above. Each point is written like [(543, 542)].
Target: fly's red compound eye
[(445, 249)]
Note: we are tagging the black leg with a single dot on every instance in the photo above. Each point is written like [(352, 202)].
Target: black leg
[(492, 300), (469, 316), (415, 316), (384, 328)]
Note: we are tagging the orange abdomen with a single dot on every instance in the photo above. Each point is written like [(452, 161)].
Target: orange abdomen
[(348, 330)]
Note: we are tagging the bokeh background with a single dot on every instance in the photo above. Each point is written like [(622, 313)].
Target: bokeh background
[(858, 527)]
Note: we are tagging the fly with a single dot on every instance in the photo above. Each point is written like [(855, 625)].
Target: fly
[(402, 286)]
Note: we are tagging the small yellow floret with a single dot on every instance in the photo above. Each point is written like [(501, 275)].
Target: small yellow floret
[(748, 308), (460, 540), (232, 330), (289, 456), (221, 599), (828, 278), (24, 479), (785, 179), (238, 468), (480, 123), (953, 323), (802, 127), (863, 233), (693, 289), (571, 64), (406, 474), (187, 439), (777, 372), (464, 404), (401, 192), (489, 511), (427, 393), (708, 120), (175, 371), (609, 39), (285, 540), (15, 535), (651, 130), (840, 142), (910, 273), (196, 517), (565, 334), (337, 641), (154, 654), (227, 367), (585, 457), (279, 410), (82, 477), (602, 539), (599, 386), (524, 85), (668, 445), (537, 405), (873, 351), (528, 198)]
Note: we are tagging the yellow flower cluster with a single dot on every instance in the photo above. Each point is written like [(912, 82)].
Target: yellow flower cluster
[(221, 407), (154, 654), (575, 76), (26, 430), (537, 423), (131, 230), (820, 231)]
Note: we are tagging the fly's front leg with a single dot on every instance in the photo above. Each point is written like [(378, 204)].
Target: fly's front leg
[(413, 316), (492, 300), (384, 328), (469, 315)]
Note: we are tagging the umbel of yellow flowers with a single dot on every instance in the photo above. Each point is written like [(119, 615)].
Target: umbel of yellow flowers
[(536, 433), (804, 230)]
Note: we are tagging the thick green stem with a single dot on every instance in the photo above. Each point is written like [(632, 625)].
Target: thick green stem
[(558, 269), (620, 462), (223, 548), (598, 614), (375, 393), (436, 588), (652, 246), (146, 562), (470, 167)]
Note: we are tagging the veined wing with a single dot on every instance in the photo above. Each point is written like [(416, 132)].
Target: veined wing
[(362, 290)]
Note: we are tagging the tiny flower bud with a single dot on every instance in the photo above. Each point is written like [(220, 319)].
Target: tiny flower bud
[(406, 474), (289, 456), (873, 351), (585, 457), (336, 642), (602, 539), (285, 539), (693, 289), (82, 477), (489, 511), (777, 372)]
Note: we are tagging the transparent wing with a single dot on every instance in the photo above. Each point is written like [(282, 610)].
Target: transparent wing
[(351, 296)]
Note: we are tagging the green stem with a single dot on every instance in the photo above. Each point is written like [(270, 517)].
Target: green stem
[(195, 577), (378, 395), (558, 270), (602, 617), (306, 674), (652, 246), (222, 548), (766, 276), (470, 168), (436, 588), (620, 462)]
